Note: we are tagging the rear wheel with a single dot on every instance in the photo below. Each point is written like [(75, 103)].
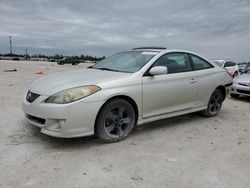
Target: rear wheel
[(214, 104), (115, 121)]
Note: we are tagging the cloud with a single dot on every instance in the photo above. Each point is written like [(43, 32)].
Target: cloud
[(217, 29)]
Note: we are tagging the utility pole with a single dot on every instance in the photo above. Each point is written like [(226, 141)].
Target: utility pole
[(26, 55), (10, 47)]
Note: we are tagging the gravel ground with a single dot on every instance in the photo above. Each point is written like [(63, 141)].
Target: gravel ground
[(188, 151)]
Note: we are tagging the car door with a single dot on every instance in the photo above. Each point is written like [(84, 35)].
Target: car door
[(171, 92), (206, 78)]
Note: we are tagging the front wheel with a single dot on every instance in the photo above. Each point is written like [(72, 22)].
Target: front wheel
[(115, 121), (214, 104)]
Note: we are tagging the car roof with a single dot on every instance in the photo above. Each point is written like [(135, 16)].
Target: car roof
[(164, 50)]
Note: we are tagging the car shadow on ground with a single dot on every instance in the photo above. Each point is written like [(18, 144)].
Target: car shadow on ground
[(168, 123), (241, 98)]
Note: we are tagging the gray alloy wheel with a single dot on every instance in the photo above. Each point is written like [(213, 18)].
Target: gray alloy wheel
[(214, 104), (115, 121)]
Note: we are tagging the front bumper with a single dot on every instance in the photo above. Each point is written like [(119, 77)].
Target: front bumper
[(240, 89), (76, 119)]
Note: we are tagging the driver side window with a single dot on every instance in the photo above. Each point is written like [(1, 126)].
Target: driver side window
[(175, 62)]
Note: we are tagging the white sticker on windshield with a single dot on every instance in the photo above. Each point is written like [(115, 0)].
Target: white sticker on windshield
[(149, 53)]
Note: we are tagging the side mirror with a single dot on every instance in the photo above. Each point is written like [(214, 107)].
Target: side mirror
[(158, 70)]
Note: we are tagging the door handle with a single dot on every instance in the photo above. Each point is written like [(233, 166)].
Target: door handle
[(193, 81)]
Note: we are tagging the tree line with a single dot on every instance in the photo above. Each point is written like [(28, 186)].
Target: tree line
[(55, 57)]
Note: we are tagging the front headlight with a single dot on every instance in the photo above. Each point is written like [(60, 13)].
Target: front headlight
[(73, 94)]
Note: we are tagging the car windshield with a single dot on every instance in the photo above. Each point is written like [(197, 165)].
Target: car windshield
[(130, 62), (220, 63)]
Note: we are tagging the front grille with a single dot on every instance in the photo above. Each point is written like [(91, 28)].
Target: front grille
[(36, 119), (244, 84), (31, 97), (243, 91)]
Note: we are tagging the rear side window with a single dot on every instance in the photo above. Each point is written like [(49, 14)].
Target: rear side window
[(199, 64), (175, 62)]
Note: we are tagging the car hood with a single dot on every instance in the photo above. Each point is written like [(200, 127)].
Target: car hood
[(57, 82), (244, 78)]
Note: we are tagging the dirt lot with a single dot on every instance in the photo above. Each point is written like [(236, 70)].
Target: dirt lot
[(187, 151)]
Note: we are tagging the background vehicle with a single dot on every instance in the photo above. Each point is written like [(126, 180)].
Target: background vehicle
[(126, 89), (16, 59), (243, 66), (241, 84), (230, 66), (68, 60)]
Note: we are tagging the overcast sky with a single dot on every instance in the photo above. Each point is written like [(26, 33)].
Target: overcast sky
[(214, 28)]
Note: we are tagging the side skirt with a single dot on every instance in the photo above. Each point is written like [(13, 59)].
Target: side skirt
[(171, 114)]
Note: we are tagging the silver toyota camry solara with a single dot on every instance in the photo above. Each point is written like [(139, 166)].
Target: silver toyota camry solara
[(126, 89)]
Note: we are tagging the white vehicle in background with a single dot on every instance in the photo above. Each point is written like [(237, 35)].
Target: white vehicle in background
[(231, 67)]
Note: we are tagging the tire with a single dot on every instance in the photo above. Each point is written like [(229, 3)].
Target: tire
[(115, 121), (214, 104), (234, 95)]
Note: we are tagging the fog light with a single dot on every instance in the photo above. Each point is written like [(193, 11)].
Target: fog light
[(60, 123)]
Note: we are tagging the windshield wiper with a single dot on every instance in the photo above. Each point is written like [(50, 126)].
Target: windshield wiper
[(107, 69)]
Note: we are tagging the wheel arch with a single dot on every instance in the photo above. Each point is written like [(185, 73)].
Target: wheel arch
[(125, 97), (223, 90)]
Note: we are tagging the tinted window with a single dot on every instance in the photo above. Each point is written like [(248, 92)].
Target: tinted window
[(199, 63), (175, 62), (229, 64)]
